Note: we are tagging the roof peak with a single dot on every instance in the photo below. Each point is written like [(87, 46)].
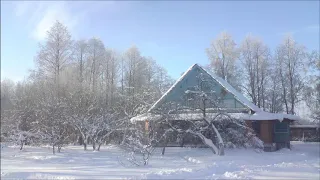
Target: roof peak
[(221, 81)]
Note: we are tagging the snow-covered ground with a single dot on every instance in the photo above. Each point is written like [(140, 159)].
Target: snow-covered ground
[(302, 162)]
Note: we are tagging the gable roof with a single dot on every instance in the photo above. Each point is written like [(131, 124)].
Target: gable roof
[(221, 81)]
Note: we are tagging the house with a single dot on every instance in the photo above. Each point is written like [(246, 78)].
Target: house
[(273, 129), (305, 132)]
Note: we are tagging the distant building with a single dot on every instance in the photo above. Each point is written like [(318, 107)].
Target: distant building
[(273, 129), (305, 132)]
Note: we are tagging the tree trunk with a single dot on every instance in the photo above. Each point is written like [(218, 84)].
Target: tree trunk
[(59, 149), (221, 150), (21, 145), (80, 140), (99, 146), (164, 147), (53, 150), (163, 150), (93, 146), (182, 141), (85, 142)]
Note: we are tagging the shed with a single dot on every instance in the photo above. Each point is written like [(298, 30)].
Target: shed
[(305, 132)]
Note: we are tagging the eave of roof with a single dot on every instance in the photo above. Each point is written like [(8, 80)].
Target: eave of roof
[(260, 116)]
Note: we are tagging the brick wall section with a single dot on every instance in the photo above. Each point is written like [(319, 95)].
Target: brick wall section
[(266, 131)]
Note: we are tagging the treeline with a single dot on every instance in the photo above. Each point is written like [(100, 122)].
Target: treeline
[(276, 81), (79, 88)]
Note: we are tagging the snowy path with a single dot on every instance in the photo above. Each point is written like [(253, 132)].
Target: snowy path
[(183, 163)]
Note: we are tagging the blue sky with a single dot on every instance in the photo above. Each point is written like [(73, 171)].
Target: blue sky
[(175, 33)]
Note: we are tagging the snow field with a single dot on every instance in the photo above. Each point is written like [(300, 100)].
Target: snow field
[(302, 162)]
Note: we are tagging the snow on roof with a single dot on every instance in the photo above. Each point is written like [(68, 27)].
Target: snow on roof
[(146, 116), (260, 116), (181, 116), (239, 96), (305, 126)]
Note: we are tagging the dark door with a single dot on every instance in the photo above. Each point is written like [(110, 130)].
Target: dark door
[(256, 127)]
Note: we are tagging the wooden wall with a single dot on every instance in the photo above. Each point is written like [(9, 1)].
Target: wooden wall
[(266, 131)]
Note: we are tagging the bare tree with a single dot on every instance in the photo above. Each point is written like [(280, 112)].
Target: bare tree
[(223, 55), (80, 54), (291, 58), (96, 53), (255, 58), (53, 125), (56, 53), (312, 92), (110, 70), (274, 94)]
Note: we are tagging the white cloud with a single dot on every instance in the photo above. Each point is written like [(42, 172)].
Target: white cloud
[(58, 11), (39, 16)]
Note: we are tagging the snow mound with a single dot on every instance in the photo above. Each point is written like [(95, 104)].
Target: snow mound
[(168, 173), (191, 159), (47, 176), (39, 157)]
